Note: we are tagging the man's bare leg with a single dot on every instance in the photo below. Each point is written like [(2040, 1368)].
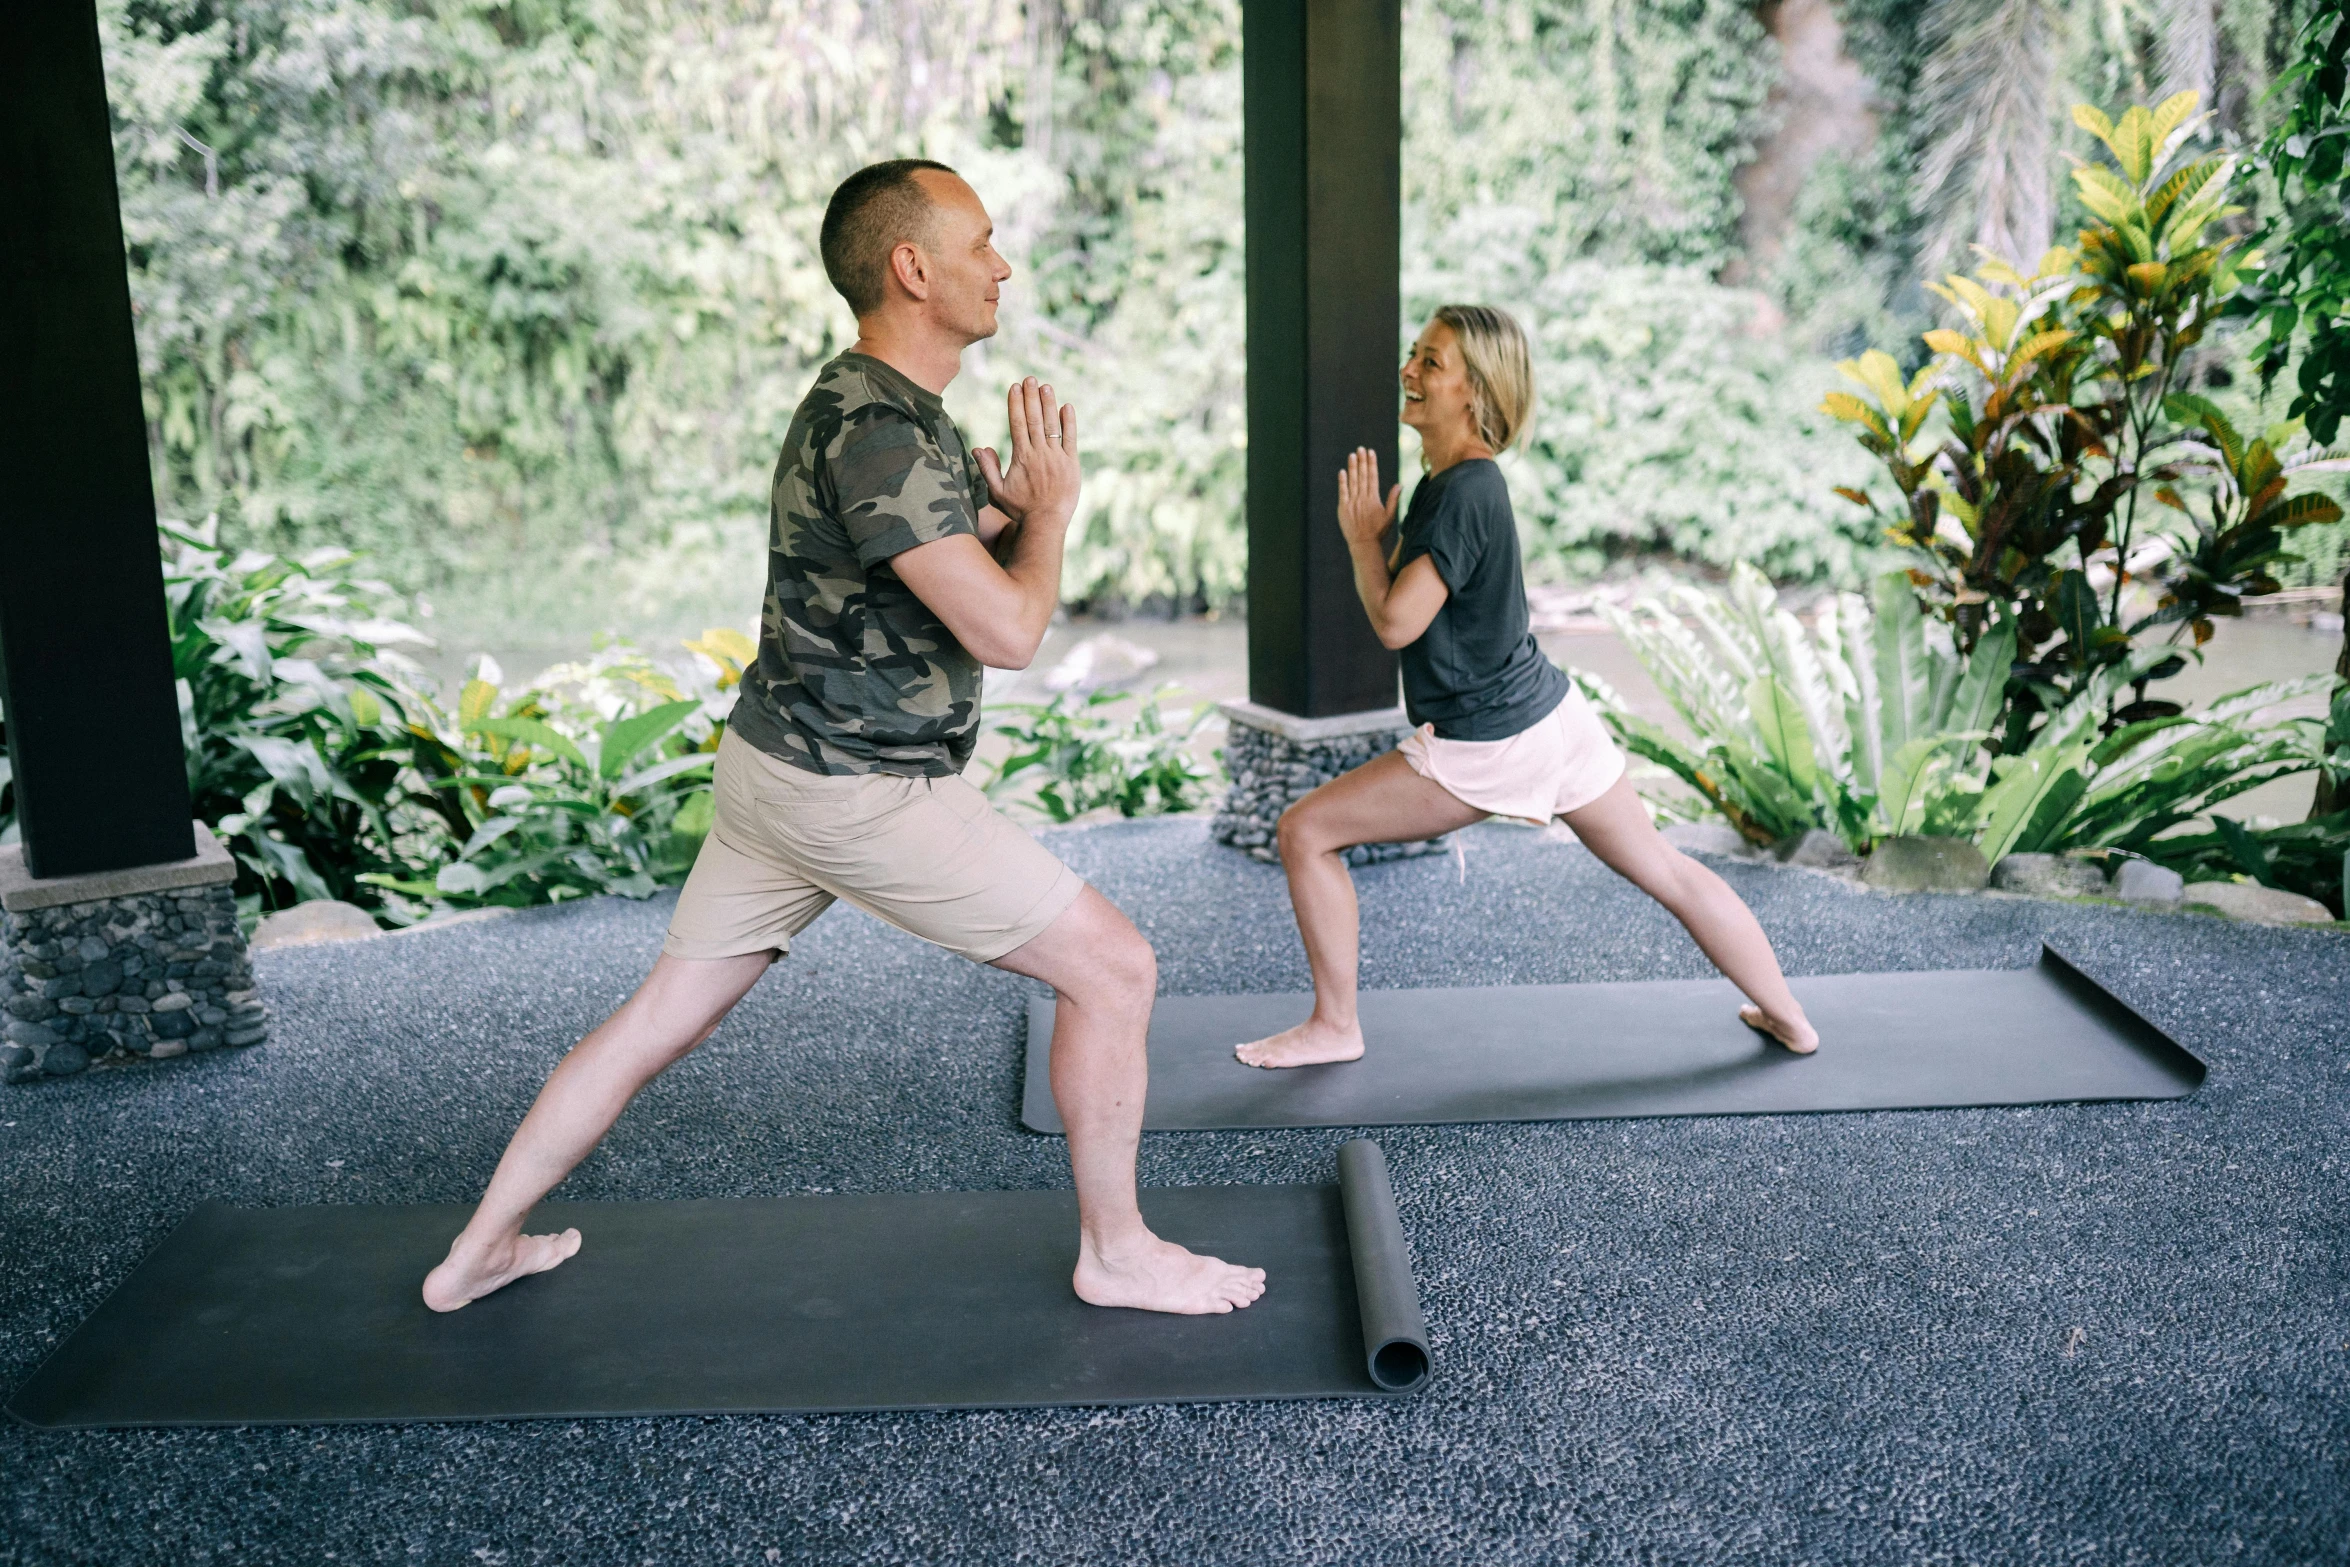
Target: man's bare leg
[(675, 1009), (1616, 828), (1105, 977), (1380, 802)]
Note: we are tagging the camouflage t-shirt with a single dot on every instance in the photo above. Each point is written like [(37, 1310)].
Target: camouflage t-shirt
[(854, 673)]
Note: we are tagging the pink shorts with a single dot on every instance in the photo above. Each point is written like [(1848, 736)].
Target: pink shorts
[(1562, 764)]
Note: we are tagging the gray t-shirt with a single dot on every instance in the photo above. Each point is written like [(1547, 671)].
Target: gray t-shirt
[(1475, 673)]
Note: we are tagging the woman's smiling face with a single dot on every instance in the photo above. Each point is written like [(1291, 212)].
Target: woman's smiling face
[(1436, 392)]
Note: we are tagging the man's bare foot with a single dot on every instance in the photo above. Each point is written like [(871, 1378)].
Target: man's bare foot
[(474, 1271), (1311, 1043), (1798, 1036), (1157, 1275)]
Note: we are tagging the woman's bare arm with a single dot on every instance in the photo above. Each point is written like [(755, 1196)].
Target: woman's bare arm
[(1402, 604)]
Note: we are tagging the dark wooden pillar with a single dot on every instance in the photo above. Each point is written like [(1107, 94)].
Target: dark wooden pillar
[(85, 655), (1323, 80)]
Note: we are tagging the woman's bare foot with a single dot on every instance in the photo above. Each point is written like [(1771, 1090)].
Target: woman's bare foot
[(474, 1271), (1311, 1043), (1798, 1036), (1156, 1275)]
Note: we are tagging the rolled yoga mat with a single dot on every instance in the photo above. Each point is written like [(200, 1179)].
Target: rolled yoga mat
[(922, 1300), (1933, 1039)]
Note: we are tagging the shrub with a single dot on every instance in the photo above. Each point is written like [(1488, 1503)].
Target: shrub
[(1866, 725), (2067, 421), (290, 684), (1076, 758), (320, 756), (2303, 293), (594, 779)]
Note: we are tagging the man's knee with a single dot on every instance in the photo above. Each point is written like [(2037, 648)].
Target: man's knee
[(1132, 966)]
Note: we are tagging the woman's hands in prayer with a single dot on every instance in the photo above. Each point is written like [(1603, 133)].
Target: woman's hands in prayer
[(1362, 516)]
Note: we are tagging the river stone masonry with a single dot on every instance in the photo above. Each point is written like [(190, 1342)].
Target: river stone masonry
[(139, 974), (1276, 760)]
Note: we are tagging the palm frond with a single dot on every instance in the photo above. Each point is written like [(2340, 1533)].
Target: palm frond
[(1987, 86), (2190, 46)]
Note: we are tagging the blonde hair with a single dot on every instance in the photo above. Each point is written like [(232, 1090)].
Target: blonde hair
[(1501, 371)]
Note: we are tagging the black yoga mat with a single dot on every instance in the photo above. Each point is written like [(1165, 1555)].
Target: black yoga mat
[(927, 1300), (1935, 1039)]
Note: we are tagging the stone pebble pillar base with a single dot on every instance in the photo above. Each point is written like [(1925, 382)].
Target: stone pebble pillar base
[(1276, 760), (141, 963)]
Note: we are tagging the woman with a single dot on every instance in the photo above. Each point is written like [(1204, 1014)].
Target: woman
[(1501, 730)]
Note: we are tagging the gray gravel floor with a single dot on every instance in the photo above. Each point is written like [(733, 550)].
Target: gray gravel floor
[(2095, 1333)]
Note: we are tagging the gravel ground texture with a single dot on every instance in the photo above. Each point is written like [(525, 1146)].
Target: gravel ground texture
[(2073, 1334)]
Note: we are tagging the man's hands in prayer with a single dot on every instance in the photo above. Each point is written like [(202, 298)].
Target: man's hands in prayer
[(1042, 482)]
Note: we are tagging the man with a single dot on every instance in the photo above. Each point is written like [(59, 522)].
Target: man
[(898, 564)]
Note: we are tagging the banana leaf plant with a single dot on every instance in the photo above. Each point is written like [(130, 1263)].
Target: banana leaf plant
[(2080, 787)]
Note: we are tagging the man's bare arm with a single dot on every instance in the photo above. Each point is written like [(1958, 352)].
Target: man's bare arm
[(999, 612)]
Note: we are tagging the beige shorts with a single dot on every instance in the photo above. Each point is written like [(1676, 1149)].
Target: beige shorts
[(929, 855), (1561, 764)]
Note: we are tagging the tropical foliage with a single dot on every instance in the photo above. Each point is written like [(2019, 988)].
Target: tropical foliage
[(290, 678), (593, 779), (1071, 755), (518, 300), (318, 753), (323, 757), (2301, 297), (2063, 424), (1859, 724), (1873, 722)]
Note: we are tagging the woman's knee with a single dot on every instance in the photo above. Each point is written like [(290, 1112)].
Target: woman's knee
[(1302, 831)]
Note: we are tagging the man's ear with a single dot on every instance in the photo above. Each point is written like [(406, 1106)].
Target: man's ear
[(911, 268)]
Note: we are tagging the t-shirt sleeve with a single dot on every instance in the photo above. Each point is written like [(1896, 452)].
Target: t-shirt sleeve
[(896, 488), (1451, 537)]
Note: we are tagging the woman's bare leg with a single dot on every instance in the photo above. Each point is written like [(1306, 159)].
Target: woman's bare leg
[(1617, 829), (1383, 801)]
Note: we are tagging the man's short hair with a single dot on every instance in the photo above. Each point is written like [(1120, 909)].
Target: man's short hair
[(876, 209)]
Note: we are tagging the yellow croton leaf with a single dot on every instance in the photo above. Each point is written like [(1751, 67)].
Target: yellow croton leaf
[(2104, 193), (729, 649), (1850, 409), (2055, 262), (2168, 116), (473, 701), (2040, 343), (2133, 143)]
